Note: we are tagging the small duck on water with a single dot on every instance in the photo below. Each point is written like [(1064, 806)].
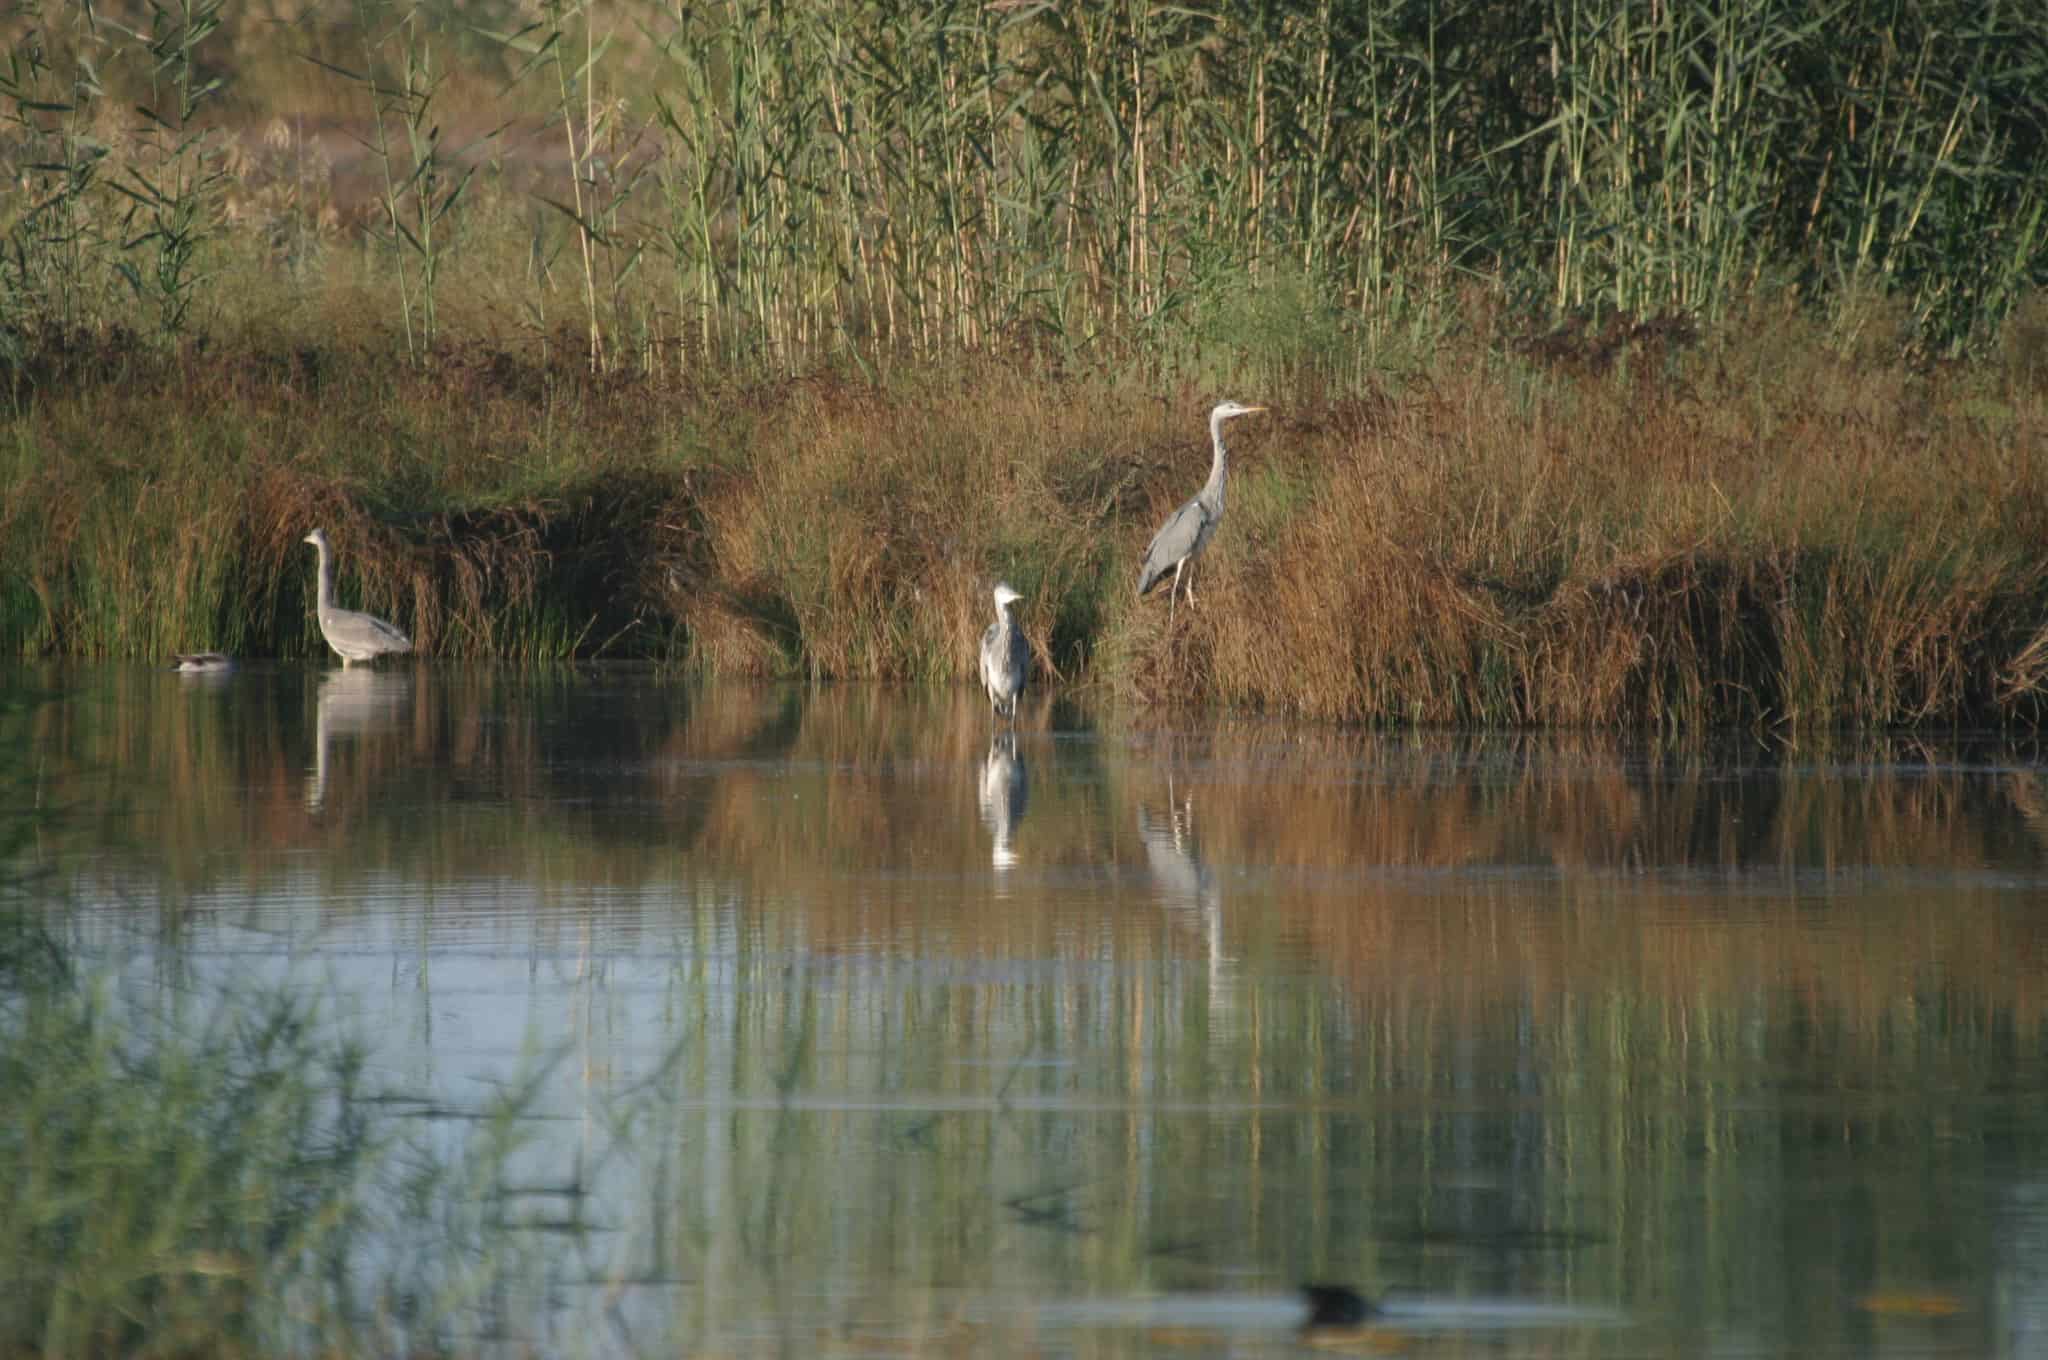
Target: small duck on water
[(1336, 1305), (201, 663)]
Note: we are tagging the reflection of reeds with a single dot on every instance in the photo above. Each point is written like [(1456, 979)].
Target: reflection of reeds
[(1586, 984), (1518, 865)]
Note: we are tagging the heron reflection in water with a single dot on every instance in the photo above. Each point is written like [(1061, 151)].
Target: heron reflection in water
[(356, 704), (1186, 886), (1004, 789)]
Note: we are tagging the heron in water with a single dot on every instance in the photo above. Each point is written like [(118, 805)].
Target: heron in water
[(356, 637), (1188, 530), (1005, 657)]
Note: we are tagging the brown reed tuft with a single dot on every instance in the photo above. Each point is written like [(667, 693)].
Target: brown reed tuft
[(1762, 536)]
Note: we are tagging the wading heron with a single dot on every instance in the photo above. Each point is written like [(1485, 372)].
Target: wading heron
[(356, 637), (1188, 530), (1005, 657)]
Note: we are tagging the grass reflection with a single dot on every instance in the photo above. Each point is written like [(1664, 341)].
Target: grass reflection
[(210, 1172), (827, 798), (1713, 1036)]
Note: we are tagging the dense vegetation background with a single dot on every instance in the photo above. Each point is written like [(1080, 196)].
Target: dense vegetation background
[(1631, 362)]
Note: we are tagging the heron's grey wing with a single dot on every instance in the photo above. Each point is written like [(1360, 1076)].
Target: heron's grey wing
[(1020, 661), (362, 631), (1175, 540), (395, 640), (374, 630)]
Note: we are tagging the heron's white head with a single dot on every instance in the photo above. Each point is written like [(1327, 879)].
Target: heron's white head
[(1230, 410), (1005, 597), (318, 538)]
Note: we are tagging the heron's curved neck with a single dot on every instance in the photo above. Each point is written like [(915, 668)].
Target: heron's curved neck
[(1219, 466), (326, 577)]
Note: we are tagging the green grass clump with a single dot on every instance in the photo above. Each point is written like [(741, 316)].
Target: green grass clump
[(237, 1190), (176, 1197)]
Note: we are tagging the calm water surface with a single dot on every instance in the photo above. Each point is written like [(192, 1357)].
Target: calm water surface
[(857, 1032)]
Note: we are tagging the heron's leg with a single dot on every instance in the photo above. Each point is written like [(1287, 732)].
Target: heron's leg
[(1191, 579)]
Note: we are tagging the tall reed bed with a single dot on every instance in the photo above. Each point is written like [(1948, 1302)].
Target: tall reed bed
[(914, 181), (1299, 184)]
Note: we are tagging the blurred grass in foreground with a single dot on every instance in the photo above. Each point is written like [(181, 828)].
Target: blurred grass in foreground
[(217, 1178)]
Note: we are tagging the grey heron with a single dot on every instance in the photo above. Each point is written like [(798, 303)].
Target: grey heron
[(1188, 530), (355, 637), (202, 663), (1005, 656)]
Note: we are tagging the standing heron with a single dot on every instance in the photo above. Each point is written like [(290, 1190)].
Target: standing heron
[(356, 637), (1188, 530), (1005, 657)]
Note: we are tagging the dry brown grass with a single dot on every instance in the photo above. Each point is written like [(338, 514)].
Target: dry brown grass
[(1517, 547), (1737, 536)]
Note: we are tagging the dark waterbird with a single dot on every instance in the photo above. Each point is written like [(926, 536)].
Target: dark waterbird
[(1336, 1305)]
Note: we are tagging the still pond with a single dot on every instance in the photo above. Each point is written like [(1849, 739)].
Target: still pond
[(843, 1025)]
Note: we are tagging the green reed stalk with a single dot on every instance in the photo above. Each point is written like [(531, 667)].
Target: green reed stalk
[(53, 241), (917, 182), (550, 44), (175, 186), (421, 185)]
